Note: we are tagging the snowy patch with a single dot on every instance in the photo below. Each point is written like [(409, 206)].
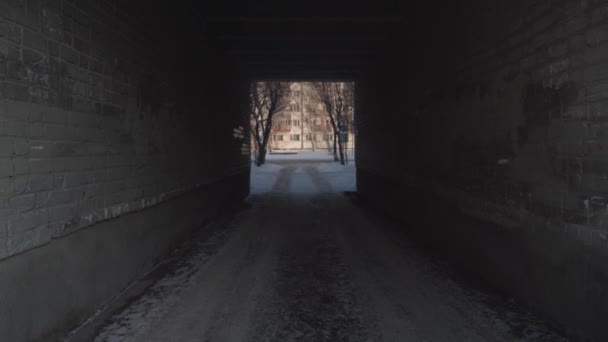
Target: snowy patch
[(300, 155), (153, 306), (300, 177), (301, 182), (263, 177), (341, 177)]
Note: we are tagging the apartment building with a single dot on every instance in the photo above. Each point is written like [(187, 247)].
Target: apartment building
[(304, 124)]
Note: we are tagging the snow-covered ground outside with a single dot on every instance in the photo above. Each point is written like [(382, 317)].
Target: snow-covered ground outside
[(302, 175), (297, 155), (262, 178)]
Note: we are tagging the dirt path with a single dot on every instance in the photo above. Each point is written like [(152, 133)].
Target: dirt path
[(314, 267)]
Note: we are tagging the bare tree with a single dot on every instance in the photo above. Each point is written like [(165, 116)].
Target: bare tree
[(311, 132), (337, 98), (265, 100), (313, 123)]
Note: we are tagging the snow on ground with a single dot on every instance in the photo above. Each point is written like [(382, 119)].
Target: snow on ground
[(263, 177), (310, 172), (299, 155), (306, 264), (145, 312), (302, 182), (282, 155), (303, 177), (341, 177)]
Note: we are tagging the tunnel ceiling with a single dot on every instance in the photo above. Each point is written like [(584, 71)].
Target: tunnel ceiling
[(307, 40)]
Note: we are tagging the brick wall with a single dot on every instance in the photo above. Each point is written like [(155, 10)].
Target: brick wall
[(520, 119), (525, 116), (502, 112), (98, 119)]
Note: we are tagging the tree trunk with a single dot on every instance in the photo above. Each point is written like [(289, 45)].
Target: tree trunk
[(335, 147), (261, 156), (341, 149)]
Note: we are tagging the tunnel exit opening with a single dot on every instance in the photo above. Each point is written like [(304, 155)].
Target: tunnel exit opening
[(302, 136)]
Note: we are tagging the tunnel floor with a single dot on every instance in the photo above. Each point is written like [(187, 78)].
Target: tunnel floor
[(304, 263)]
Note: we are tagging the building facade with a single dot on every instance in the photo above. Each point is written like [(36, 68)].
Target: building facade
[(304, 124)]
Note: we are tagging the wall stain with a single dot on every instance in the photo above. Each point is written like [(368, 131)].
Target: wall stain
[(149, 94), (543, 103)]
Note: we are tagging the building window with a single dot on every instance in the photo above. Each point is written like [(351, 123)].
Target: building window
[(295, 107), (283, 123), (278, 137), (295, 137), (308, 137), (296, 123), (296, 93)]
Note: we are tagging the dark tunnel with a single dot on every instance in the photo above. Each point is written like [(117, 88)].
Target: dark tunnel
[(472, 210)]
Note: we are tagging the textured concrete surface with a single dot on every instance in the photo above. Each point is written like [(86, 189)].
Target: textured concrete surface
[(96, 122)]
